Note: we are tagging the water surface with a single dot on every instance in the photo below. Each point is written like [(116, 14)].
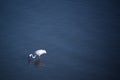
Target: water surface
[(80, 36)]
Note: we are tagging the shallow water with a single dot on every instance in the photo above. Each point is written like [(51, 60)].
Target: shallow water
[(81, 39)]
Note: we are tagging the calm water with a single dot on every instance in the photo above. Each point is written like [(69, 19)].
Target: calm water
[(81, 38)]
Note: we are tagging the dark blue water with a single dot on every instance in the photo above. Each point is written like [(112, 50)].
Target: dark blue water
[(81, 38)]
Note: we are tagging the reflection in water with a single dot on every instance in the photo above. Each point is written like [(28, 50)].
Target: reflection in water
[(36, 62)]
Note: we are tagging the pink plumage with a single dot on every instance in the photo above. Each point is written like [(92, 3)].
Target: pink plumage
[(40, 52)]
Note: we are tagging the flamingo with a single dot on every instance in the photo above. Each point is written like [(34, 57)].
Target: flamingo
[(37, 53)]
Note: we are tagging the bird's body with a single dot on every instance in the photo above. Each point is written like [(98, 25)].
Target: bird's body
[(40, 52), (37, 53)]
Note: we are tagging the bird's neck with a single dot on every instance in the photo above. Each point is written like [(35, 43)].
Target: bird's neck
[(33, 56)]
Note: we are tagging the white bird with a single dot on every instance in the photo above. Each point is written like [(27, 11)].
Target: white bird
[(38, 53)]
